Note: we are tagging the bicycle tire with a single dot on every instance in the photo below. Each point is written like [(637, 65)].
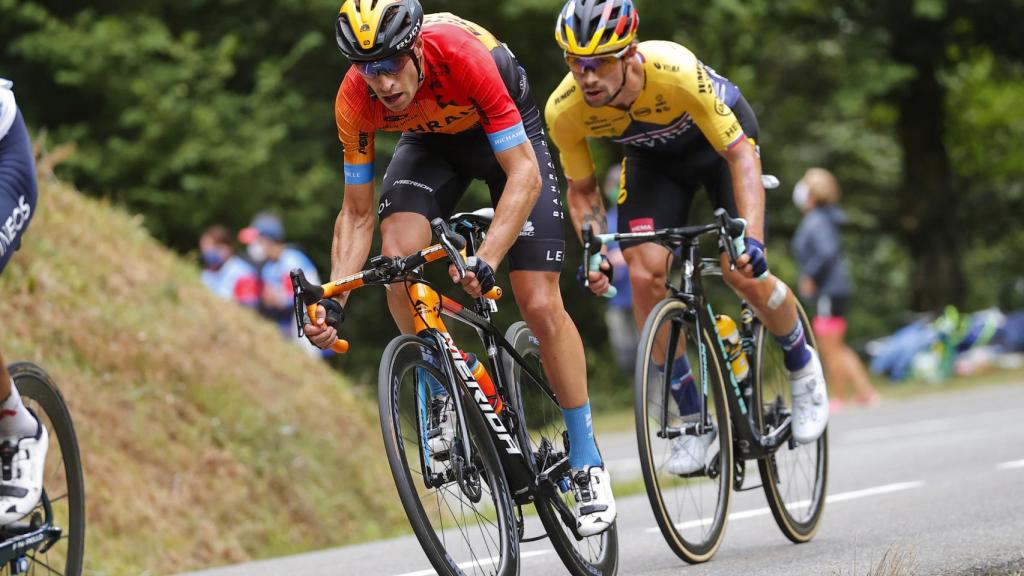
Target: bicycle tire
[(798, 521), (494, 554), (41, 395), (683, 528), (593, 556)]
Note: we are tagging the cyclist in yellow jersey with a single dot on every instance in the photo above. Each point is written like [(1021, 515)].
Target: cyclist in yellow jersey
[(682, 127)]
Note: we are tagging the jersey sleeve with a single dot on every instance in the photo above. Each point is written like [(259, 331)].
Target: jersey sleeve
[(712, 115), (355, 131), (485, 89), (568, 135)]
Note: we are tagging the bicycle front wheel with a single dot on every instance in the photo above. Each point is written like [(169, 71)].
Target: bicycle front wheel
[(794, 477), (63, 502), (544, 433), (459, 505), (688, 475)]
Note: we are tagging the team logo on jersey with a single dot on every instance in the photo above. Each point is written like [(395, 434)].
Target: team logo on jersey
[(721, 108), (638, 225), (13, 224), (528, 229), (565, 94)]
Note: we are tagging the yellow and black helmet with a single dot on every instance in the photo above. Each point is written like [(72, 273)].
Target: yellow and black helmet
[(369, 30), (596, 27)]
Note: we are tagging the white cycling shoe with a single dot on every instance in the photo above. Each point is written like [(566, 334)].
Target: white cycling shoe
[(689, 453), (22, 462), (595, 503), (810, 400)]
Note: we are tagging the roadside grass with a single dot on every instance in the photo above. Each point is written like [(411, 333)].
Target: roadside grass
[(207, 439), (895, 561)]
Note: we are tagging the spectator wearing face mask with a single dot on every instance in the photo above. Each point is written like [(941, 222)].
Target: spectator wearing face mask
[(825, 281), (274, 261), (225, 274)]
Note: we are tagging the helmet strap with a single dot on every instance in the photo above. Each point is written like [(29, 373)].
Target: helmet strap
[(621, 86), (419, 69)]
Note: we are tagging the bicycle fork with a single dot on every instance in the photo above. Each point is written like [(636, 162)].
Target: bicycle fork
[(425, 307)]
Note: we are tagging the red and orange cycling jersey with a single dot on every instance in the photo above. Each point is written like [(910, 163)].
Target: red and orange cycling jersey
[(462, 87)]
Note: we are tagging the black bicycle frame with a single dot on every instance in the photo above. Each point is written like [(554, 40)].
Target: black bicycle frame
[(525, 480), (751, 443)]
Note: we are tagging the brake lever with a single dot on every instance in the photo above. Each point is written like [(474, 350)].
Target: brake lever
[(305, 294), (731, 233), (590, 244), (452, 242)]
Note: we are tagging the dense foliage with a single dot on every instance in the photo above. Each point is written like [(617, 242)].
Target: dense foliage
[(204, 111)]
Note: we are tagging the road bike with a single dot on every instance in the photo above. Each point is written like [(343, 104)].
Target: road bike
[(50, 539), (742, 416), (465, 499)]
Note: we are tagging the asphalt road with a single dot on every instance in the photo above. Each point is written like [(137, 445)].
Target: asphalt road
[(936, 481)]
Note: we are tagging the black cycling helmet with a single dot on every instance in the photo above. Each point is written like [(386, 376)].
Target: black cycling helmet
[(369, 30)]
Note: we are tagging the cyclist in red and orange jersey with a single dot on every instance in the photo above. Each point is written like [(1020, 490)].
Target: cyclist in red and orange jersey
[(682, 127), (463, 106)]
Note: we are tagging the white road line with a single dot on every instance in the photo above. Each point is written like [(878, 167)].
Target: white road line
[(474, 564), (830, 499), (1012, 465), (898, 431)]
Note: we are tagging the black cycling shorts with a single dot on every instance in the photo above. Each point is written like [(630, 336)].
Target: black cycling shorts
[(656, 190), (430, 172), (17, 188)]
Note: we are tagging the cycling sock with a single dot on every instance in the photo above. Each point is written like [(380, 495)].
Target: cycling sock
[(15, 419), (795, 355), (684, 387), (436, 388), (582, 448)]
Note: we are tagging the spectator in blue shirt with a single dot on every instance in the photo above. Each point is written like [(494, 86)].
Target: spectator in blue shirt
[(274, 261), (224, 273)]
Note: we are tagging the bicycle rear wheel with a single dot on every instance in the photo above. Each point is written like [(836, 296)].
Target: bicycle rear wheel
[(63, 501), (459, 508), (795, 476), (691, 509), (544, 432)]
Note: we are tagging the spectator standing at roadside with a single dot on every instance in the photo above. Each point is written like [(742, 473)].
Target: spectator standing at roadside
[(224, 273), (274, 262), (825, 281)]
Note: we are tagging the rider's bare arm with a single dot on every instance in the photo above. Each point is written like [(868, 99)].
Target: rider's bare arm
[(745, 168), (353, 232), (522, 189), (586, 205)]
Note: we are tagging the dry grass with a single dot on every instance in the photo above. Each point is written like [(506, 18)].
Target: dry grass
[(206, 438), (896, 561)]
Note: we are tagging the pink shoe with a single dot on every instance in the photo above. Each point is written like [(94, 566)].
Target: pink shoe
[(873, 399), (836, 405)]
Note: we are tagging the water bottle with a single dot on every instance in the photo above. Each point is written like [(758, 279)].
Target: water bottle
[(730, 336), (484, 380)]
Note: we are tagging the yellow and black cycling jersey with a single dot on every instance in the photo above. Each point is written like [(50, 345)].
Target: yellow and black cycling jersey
[(679, 91)]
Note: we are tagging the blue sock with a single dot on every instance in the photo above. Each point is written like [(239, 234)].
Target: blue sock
[(582, 449), (436, 388), (795, 355), (684, 387)]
